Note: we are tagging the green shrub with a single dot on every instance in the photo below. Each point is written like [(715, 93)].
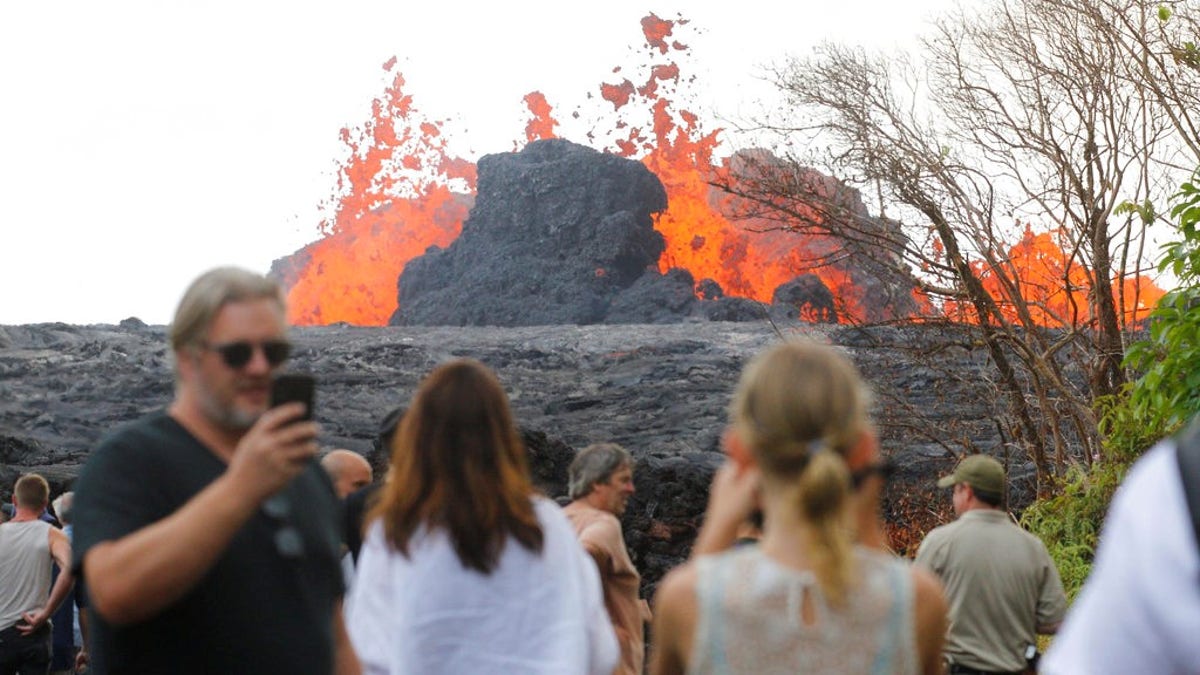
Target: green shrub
[(1165, 394), (1069, 523)]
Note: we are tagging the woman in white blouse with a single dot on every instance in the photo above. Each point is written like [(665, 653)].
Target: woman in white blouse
[(465, 569)]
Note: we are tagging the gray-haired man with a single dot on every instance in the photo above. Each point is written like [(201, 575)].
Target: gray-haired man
[(601, 483), (207, 535)]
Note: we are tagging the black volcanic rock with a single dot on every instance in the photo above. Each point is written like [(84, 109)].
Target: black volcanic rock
[(656, 298), (807, 298), (709, 289), (557, 231), (549, 459), (733, 308)]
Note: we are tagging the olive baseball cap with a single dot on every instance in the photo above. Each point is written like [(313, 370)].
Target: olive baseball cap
[(981, 472)]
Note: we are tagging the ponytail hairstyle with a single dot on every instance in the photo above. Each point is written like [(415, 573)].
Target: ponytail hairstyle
[(459, 465), (800, 407)]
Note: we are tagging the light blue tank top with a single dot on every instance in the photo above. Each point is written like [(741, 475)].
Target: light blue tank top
[(750, 618)]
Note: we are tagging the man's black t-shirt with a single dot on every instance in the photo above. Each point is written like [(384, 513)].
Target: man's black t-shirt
[(258, 610), (357, 504)]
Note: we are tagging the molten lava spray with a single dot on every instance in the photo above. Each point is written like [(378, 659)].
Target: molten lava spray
[(746, 258), (394, 200)]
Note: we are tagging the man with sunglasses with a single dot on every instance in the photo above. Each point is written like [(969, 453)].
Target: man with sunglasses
[(207, 534)]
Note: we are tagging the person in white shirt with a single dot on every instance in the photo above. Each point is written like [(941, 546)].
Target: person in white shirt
[(465, 569), (1139, 610)]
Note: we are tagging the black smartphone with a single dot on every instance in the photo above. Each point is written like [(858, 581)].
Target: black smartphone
[(290, 387)]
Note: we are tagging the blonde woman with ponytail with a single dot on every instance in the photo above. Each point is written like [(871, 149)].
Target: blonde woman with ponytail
[(817, 595)]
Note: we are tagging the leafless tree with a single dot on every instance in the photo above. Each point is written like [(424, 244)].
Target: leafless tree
[(1059, 113)]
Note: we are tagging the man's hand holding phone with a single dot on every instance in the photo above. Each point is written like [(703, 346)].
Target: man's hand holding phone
[(294, 387), (283, 441)]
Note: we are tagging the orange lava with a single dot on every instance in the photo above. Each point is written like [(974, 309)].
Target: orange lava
[(541, 122), (747, 259), (393, 202), (1054, 286)]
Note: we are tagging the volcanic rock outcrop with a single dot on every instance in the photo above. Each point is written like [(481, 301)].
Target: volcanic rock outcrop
[(557, 231), (660, 390)]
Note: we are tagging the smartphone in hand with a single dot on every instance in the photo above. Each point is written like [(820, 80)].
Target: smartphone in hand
[(290, 387)]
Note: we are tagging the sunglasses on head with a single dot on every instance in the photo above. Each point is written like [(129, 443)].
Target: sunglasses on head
[(238, 354), (884, 469)]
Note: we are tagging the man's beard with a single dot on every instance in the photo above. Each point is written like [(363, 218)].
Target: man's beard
[(227, 417)]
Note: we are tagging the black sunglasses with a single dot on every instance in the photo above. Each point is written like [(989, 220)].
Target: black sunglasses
[(884, 469), (238, 354), (288, 542)]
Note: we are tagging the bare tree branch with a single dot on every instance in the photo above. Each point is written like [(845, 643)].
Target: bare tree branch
[(1023, 116)]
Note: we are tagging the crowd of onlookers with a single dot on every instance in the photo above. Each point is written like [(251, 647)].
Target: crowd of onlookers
[(215, 536)]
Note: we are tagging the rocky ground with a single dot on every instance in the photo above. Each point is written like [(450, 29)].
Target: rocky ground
[(660, 390)]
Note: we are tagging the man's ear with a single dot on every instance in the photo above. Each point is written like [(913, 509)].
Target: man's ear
[(865, 450), (185, 360), (736, 448)]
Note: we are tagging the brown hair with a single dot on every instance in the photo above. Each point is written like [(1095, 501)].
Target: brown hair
[(800, 407), (32, 491), (458, 464)]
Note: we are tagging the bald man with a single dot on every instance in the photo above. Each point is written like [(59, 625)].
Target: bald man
[(348, 470)]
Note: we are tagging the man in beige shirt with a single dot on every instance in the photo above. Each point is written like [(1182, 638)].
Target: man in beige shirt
[(1001, 584), (601, 483)]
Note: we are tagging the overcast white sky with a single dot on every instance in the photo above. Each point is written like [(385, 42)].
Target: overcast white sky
[(144, 142)]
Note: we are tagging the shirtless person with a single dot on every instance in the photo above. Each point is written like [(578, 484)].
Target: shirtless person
[(601, 483)]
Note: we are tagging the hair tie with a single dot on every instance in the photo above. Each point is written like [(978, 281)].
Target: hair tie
[(789, 463)]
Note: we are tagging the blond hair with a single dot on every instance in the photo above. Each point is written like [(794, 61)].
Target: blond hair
[(32, 492), (800, 407)]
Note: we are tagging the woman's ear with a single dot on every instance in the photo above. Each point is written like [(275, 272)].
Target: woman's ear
[(736, 448), (865, 450)]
